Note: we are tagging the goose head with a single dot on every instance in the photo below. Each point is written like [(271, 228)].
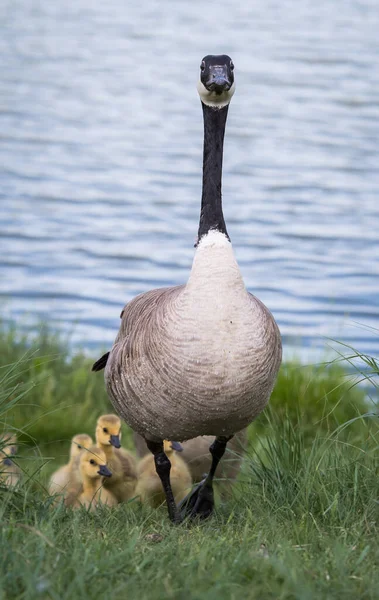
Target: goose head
[(79, 443), (108, 431), (216, 84), (93, 464)]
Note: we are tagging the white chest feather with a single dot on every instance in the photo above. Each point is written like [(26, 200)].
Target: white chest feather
[(215, 290), (214, 314)]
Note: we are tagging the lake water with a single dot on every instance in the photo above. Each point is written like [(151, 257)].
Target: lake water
[(101, 155)]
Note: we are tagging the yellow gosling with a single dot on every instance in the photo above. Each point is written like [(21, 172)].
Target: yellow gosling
[(197, 456), (149, 486), (121, 462), (93, 469), (10, 473), (63, 477)]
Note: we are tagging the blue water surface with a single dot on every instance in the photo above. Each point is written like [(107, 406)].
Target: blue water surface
[(101, 155)]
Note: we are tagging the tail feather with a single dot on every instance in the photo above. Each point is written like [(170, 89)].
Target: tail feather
[(100, 364)]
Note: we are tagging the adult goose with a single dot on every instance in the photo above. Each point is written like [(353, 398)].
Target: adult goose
[(200, 358)]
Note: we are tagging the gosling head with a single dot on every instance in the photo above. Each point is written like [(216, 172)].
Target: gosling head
[(108, 431), (93, 464), (169, 447), (79, 443), (8, 444), (216, 84)]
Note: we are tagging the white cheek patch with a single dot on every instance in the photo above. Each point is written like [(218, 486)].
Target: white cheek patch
[(213, 99)]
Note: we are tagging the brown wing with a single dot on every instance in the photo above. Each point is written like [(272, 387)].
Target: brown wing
[(140, 308), (101, 362), (137, 309)]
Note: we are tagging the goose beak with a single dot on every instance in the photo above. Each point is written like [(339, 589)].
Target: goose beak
[(176, 446), (104, 471), (218, 80), (115, 441), (7, 462)]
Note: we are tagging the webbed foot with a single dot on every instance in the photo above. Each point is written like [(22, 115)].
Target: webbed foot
[(199, 503)]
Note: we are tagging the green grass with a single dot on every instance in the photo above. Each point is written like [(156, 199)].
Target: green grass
[(63, 396), (302, 522)]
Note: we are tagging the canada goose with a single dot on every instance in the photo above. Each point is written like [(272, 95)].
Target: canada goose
[(200, 358), (93, 469), (60, 479), (120, 461), (10, 473), (196, 454), (149, 487)]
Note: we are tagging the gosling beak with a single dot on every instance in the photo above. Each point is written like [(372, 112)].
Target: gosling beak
[(176, 446), (104, 471), (218, 80), (115, 441), (7, 462)]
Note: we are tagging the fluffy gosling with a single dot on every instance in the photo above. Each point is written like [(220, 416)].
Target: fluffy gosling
[(149, 486), (61, 480), (10, 473), (93, 469), (122, 464), (196, 455)]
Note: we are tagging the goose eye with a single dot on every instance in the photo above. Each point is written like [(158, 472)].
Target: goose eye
[(92, 462), (105, 430), (231, 66), (202, 66), (79, 447)]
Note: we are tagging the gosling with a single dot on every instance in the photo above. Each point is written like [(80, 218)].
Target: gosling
[(10, 473), (149, 486), (93, 469), (121, 462), (63, 477), (196, 455)]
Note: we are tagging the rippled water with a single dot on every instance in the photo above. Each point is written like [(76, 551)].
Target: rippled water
[(101, 151)]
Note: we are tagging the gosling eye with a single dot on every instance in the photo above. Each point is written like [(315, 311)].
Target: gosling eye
[(202, 66), (231, 66), (80, 447), (105, 430), (92, 462)]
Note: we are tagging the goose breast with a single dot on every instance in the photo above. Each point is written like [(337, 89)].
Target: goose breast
[(181, 368)]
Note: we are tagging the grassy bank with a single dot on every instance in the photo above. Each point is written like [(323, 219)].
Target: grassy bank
[(302, 522)]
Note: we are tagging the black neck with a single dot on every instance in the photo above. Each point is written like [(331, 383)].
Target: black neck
[(211, 216)]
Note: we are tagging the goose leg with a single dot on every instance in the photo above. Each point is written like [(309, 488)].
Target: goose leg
[(163, 468), (200, 502)]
